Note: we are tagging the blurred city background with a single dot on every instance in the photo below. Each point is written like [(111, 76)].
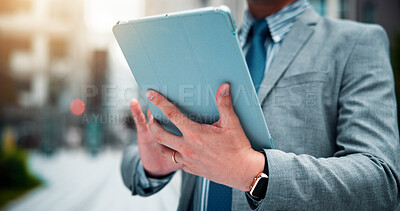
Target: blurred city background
[(65, 89)]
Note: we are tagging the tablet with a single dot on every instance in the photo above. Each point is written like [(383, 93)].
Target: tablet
[(186, 56)]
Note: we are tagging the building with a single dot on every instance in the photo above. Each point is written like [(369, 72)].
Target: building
[(42, 49), (51, 52)]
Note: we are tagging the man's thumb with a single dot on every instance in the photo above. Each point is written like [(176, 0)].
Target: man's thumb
[(224, 104)]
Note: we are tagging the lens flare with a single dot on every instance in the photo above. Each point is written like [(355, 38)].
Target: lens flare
[(77, 107)]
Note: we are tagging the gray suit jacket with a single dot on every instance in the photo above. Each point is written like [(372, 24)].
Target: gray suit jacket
[(330, 105)]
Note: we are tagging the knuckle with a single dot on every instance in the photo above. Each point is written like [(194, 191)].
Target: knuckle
[(227, 131), (141, 118), (139, 124), (170, 112), (228, 105), (210, 128), (217, 130), (156, 100), (158, 136)]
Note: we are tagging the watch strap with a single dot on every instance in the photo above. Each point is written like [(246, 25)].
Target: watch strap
[(260, 190)]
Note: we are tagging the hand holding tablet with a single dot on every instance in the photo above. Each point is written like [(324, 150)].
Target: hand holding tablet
[(186, 57)]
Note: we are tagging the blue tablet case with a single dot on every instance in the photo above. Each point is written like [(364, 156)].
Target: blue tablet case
[(186, 56)]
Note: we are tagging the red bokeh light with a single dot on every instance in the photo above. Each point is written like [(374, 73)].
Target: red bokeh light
[(77, 107)]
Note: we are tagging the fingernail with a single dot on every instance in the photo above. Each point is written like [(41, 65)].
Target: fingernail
[(150, 95), (133, 102), (225, 92)]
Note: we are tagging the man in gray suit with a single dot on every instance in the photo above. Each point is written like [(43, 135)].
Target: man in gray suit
[(327, 92)]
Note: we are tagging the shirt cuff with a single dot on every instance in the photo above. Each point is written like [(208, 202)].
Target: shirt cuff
[(146, 182)]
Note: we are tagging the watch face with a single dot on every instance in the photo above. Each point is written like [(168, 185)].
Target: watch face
[(260, 189)]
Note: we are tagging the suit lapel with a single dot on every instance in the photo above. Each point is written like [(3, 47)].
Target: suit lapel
[(291, 45)]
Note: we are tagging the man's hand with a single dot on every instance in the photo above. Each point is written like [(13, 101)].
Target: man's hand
[(153, 162), (220, 152)]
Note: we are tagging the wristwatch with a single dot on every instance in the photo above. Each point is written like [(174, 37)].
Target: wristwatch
[(258, 188)]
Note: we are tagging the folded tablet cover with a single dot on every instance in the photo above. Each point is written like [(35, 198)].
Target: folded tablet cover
[(186, 56)]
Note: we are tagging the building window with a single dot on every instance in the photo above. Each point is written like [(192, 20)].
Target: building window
[(58, 48), (368, 12)]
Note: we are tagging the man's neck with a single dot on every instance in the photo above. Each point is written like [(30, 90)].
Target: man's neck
[(264, 8)]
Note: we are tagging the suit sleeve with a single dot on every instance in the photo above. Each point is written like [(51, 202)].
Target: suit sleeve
[(364, 173), (134, 176)]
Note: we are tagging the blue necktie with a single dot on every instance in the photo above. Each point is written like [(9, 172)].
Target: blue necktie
[(256, 55), (219, 197)]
